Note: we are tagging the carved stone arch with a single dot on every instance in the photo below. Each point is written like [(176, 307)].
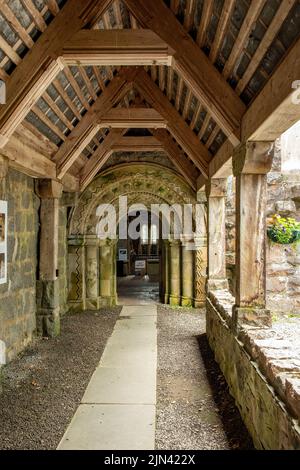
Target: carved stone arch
[(147, 181)]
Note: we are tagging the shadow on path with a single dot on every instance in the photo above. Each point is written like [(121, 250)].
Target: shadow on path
[(234, 427)]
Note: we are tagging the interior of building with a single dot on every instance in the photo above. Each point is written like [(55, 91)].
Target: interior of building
[(111, 109)]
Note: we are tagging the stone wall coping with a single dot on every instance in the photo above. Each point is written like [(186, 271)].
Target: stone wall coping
[(276, 350)]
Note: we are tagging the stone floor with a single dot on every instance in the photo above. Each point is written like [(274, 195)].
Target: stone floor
[(136, 290), (117, 411)]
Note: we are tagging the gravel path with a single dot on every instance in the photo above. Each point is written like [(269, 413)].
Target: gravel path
[(194, 409), (42, 389)]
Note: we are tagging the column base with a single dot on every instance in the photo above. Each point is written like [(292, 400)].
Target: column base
[(92, 304), (199, 303), (107, 301), (186, 302), (174, 301), (48, 322), (217, 284), (251, 316)]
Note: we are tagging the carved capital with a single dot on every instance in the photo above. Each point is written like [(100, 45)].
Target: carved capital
[(49, 189), (216, 187), (253, 158)]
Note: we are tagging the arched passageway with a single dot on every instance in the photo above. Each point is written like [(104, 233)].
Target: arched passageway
[(94, 258)]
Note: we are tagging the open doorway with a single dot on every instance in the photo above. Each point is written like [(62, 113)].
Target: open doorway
[(139, 263)]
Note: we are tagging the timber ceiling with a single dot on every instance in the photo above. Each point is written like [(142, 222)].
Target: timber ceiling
[(245, 41)]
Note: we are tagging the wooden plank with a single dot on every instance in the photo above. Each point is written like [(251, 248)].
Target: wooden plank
[(223, 25), (277, 107), (88, 127), (73, 82), (177, 156), (137, 144), (39, 67), (189, 14), (9, 51), (62, 92), (187, 104), (45, 119), (207, 10), (116, 47), (244, 33), (101, 155), (176, 125), (132, 117), (57, 111), (275, 26), (191, 63)]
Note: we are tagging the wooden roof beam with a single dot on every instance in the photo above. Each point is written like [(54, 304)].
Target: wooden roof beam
[(132, 117), (40, 66), (88, 127), (191, 63), (177, 157), (137, 144), (175, 124), (100, 156), (116, 47)]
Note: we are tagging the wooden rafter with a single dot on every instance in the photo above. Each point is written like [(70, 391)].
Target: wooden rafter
[(244, 33), (137, 144), (191, 63), (223, 24), (175, 124), (177, 156), (98, 159), (88, 127), (39, 67), (281, 14), (207, 10)]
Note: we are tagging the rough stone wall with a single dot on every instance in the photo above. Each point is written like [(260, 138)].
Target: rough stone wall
[(265, 415), (18, 296), (283, 262)]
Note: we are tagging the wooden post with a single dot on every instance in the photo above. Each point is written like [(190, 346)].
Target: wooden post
[(251, 162), (216, 191), (48, 321)]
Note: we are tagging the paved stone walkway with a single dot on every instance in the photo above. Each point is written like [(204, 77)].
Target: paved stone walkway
[(117, 411)]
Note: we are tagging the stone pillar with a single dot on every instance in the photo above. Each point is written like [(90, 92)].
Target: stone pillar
[(166, 271), (91, 272), (76, 269), (216, 192), (200, 251), (108, 296), (48, 320), (251, 162), (187, 268), (174, 266)]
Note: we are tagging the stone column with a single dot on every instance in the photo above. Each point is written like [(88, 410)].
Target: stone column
[(174, 266), (216, 192), (76, 270), (187, 268), (166, 271), (200, 251), (92, 272), (108, 295), (251, 162), (48, 320)]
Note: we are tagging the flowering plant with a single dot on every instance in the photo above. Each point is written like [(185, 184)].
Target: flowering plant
[(284, 231)]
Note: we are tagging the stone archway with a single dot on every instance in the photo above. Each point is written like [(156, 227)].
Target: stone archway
[(92, 262)]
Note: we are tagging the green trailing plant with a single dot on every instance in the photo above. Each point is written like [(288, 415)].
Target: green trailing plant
[(284, 231)]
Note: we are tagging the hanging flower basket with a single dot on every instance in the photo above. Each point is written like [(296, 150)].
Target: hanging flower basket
[(283, 231)]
